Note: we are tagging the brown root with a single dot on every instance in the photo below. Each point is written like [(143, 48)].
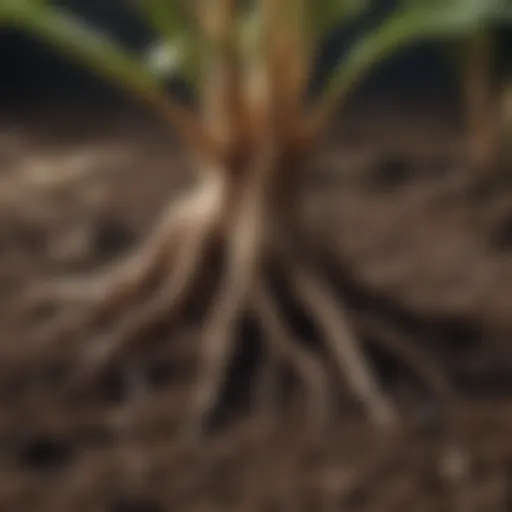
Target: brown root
[(218, 333), (341, 343), (178, 243), (414, 358), (117, 286), (163, 305), (283, 346), (173, 261)]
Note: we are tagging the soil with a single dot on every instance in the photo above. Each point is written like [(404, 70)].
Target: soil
[(391, 197)]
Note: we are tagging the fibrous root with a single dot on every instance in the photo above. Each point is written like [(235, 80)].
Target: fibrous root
[(153, 285)]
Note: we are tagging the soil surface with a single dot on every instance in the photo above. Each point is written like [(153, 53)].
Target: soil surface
[(391, 197)]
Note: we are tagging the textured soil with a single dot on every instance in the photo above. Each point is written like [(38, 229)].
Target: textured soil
[(391, 197)]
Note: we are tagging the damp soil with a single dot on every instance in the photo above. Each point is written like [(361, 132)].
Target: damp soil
[(418, 244)]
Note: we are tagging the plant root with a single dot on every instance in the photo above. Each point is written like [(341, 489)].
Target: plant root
[(416, 359), (283, 346), (217, 338), (116, 287), (162, 306), (173, 261), (171, 257), (341, 343)]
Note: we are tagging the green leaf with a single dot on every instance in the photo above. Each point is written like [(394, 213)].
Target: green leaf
[(402, 28), (74, 37), (489, 11)]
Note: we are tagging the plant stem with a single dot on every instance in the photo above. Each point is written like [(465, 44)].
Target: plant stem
[(480, 107)]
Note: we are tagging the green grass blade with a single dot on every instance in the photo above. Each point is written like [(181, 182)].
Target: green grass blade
[(401, 29), (75, 38)]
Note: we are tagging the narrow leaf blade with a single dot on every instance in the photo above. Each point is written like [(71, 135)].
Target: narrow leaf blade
[(74, 37)]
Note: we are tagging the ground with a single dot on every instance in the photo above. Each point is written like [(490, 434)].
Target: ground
[(391, 197)]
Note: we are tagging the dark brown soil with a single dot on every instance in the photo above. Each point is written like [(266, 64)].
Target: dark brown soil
[(430, 254)]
